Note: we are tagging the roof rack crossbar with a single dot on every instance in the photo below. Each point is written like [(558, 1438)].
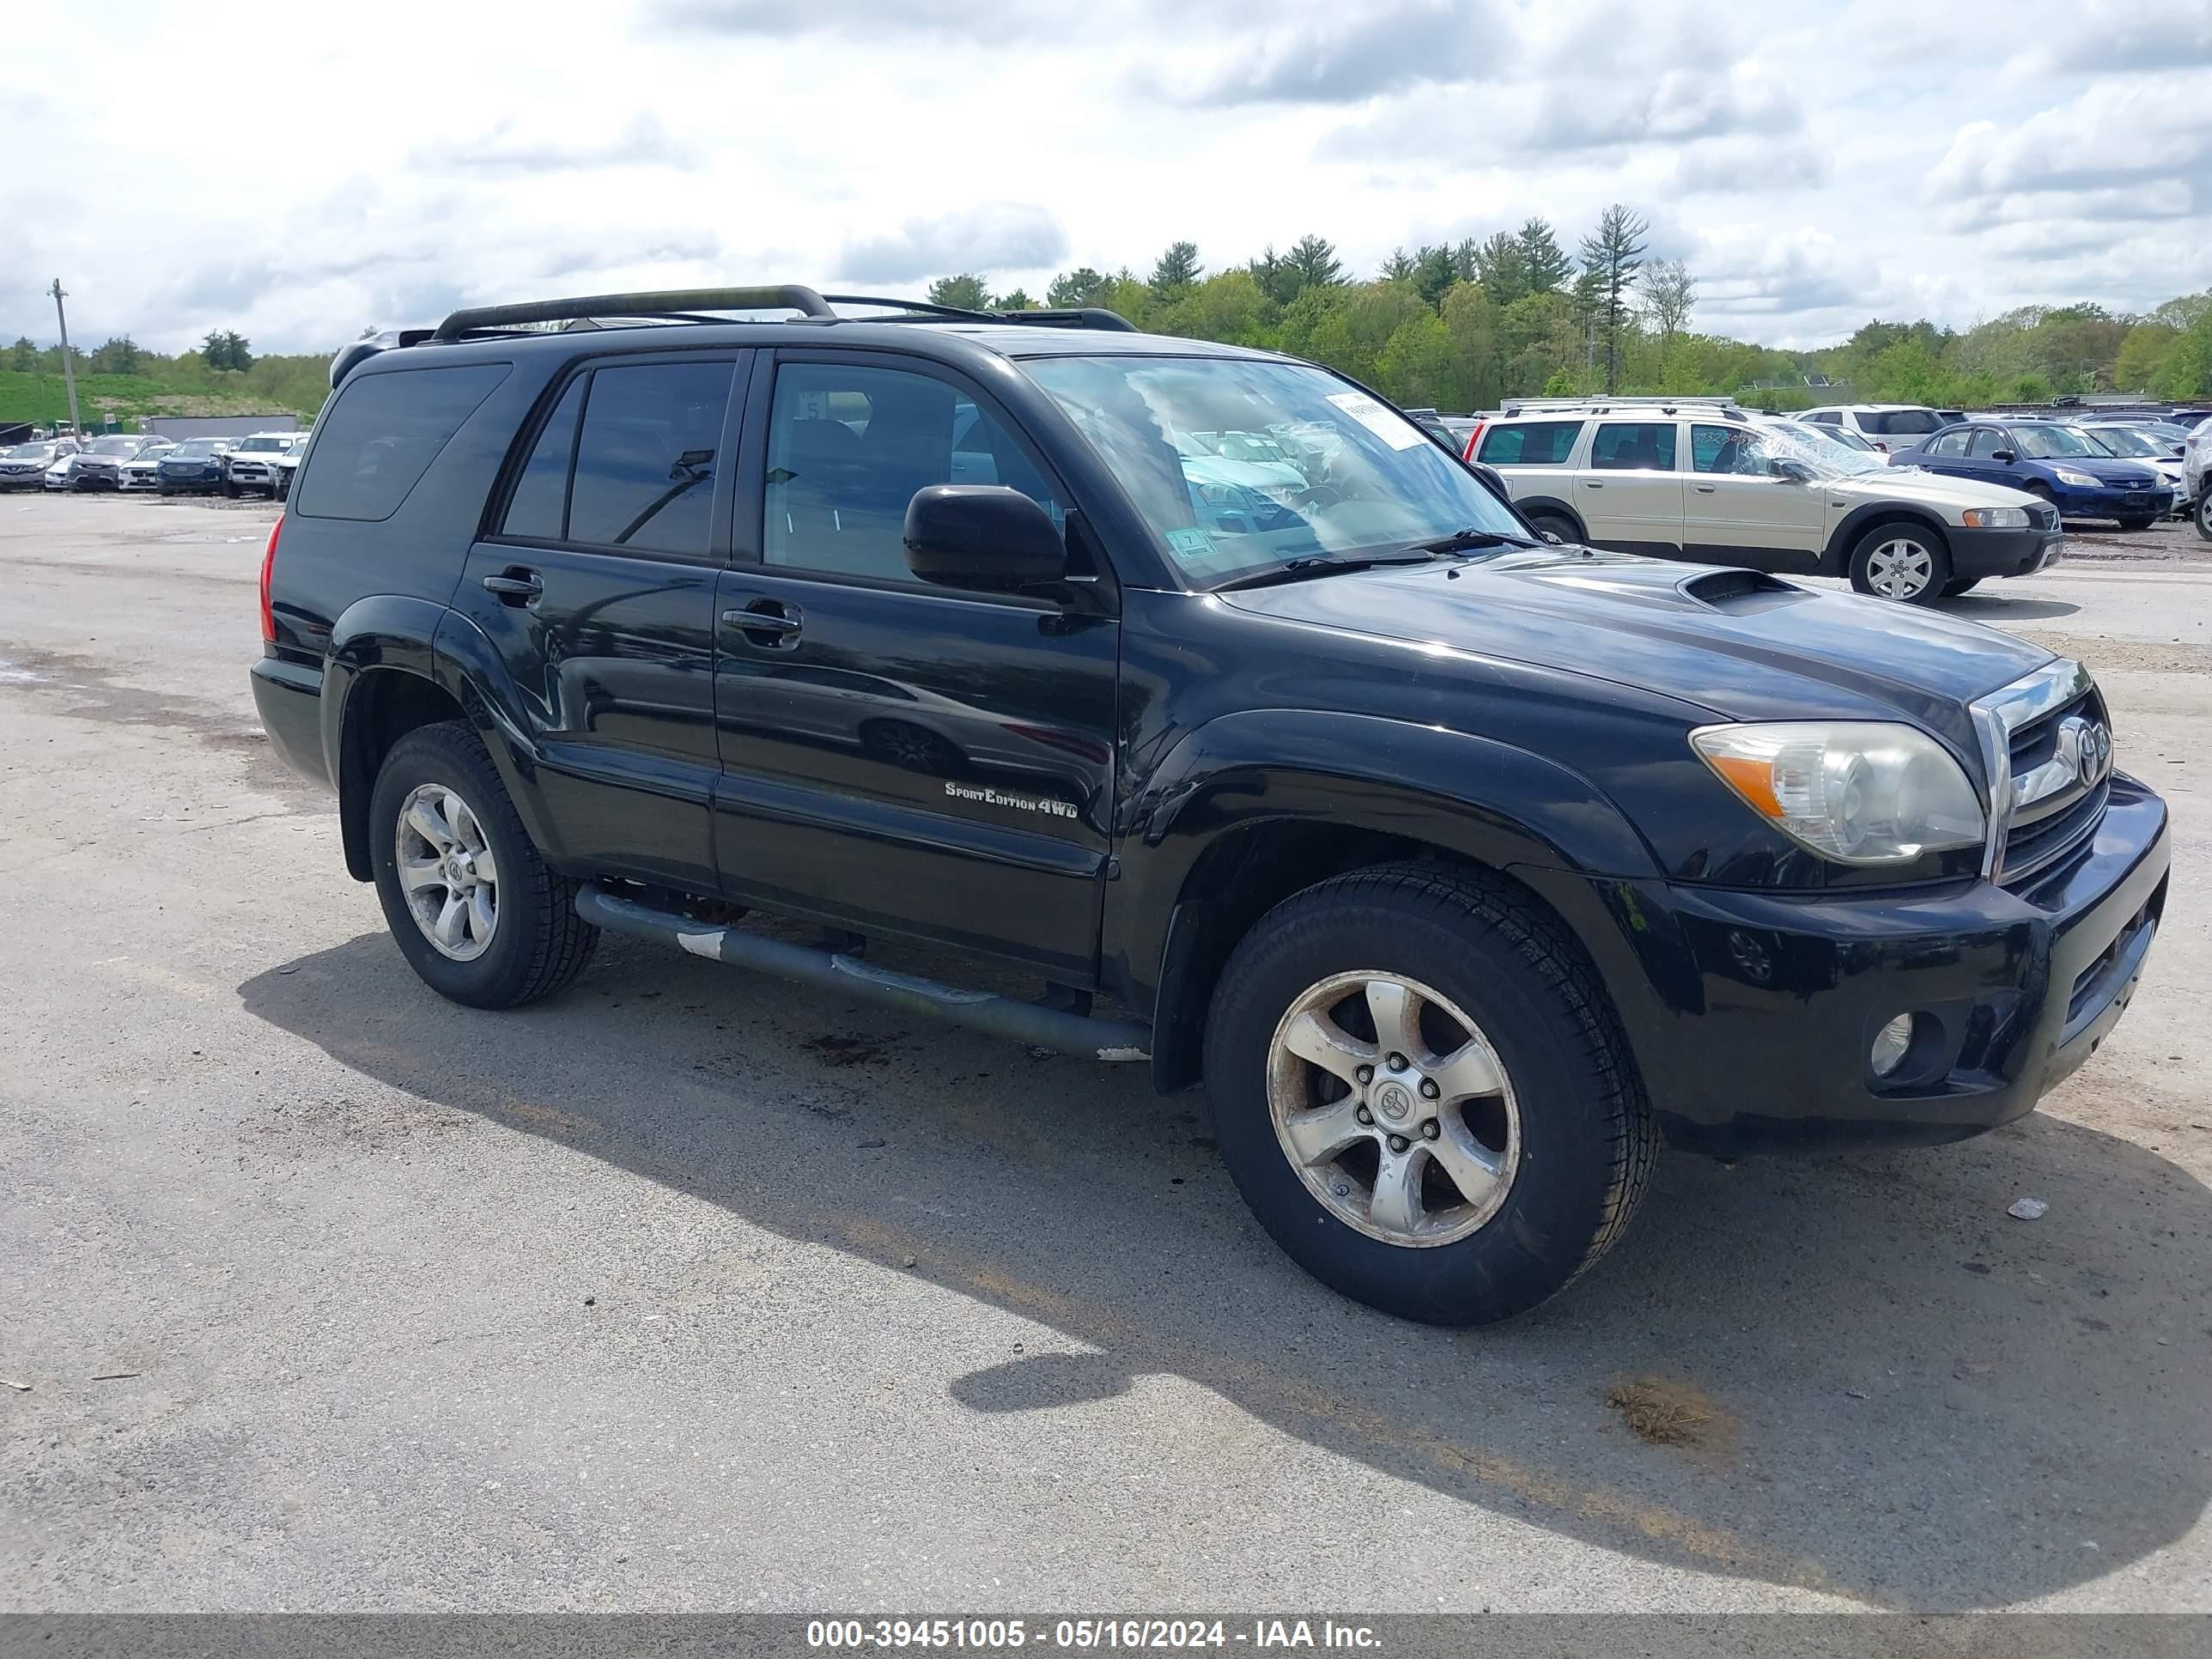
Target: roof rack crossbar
[(1041, 317), (787, 296)]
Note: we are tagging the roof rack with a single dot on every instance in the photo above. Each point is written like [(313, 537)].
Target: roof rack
[(685, 305), (1600, 405)]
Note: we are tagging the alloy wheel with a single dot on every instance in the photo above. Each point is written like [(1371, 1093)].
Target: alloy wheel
[(447, 872), (1901, 569), (1395, 1107)]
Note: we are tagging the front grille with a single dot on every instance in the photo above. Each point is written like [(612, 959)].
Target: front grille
[(2043, 516), (2045, 831)]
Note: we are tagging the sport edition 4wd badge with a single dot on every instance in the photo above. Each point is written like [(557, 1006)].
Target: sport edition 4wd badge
[(1058, 809)]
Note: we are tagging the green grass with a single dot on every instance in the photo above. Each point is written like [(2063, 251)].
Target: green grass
[(273, 386)]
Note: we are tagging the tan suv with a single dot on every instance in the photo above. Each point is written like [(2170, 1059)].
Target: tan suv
[(1681, 479)]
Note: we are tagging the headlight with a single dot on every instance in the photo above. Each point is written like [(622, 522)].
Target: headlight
[(2078, 480), (1995, 518), (1859, 792)]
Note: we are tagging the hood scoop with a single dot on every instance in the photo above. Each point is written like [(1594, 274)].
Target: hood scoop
[(1741, 592)]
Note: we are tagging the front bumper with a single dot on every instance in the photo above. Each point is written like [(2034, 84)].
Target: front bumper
[(84, 479), (147, 481), (1976, 553), (30, 480), (1752, 1014), (192, 477), (254, 475), (2155, 503)]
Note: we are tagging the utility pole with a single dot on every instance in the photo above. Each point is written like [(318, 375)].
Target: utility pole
[(69, 370)]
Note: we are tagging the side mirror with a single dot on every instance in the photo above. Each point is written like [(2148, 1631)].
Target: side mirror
[(983, 537), (1792, 472), (2004, 455), (1492, 480)]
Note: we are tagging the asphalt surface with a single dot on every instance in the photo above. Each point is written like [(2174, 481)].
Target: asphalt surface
[(690, 1289)]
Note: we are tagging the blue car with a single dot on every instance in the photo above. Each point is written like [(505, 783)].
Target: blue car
[(2064, 466)]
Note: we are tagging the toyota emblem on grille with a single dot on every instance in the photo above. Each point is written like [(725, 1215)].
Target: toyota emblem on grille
[(2085, 747)]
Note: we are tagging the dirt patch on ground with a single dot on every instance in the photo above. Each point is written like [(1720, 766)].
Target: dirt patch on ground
[(2124, 656), (833, 1049), (1662, 1412)]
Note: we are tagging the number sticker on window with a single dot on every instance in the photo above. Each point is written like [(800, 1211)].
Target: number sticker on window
[(1393, 429)]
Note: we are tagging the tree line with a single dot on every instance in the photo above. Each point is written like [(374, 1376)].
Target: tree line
[(1462, 325)]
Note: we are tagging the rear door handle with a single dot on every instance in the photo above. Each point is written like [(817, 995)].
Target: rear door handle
[(516, 586), (1593, 483), (766, 622), (1705, 489)]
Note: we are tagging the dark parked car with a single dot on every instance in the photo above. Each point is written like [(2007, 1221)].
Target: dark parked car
[(1460, 865), (193, 466), (99, 465), (2061, 464)]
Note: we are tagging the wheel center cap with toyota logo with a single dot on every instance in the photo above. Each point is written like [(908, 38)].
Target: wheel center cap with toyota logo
[(2085, 746), (1393, 1101)]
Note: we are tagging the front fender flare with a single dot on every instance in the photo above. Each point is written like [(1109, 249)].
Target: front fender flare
[(1483, 799)]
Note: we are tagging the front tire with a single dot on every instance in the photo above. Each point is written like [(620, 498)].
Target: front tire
[(1555, 524), (472, 907), (1959, 585), (1526, 1140), (2204, 514), (1905, 563)]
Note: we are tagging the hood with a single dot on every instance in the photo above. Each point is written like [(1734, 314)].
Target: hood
[(1745, 645), (1907, 481), (2111, 469)]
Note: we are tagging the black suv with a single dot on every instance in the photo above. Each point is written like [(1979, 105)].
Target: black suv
[(1459, 864)]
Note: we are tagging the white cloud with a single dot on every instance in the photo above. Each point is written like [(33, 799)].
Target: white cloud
[(1821, 168)]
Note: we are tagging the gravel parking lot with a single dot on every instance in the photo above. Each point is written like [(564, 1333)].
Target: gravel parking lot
[(690, 1289)]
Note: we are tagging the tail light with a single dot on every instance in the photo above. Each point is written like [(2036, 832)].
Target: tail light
[(268, 569), (1472, 439)]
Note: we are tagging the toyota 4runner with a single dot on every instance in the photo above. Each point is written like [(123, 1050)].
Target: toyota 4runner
[(1461, 865)]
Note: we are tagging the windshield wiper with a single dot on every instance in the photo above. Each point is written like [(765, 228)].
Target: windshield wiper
[(1296, 570), (1462, 541)]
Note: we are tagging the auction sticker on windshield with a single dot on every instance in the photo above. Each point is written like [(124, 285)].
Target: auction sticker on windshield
[(1393, 429)]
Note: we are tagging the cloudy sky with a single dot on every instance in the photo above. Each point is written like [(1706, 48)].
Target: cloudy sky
[(302, 172)]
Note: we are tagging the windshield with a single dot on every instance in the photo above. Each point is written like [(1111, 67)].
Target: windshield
[(2040, 443), (195, 449), (2119, 440), (265, 446), (112, 447), (1355, 477), (27, 452), (1823, 450)]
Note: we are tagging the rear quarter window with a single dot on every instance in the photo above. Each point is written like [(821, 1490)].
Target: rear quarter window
[(379, 438), (1530, 443)]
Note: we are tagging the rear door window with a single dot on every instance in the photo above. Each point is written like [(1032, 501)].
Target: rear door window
[(1529, 443), (645, 457), (538, 510), (380, 435), (1634, 445), (1951, 445)]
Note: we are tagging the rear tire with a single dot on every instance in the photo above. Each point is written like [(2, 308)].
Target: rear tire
[(528, 942), (1905, 563), (1567, 1129)]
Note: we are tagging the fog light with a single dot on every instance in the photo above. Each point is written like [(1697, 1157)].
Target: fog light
[(1890, 1043)]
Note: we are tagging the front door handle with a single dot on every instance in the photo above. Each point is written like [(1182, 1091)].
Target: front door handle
[(1705, 489), (516, 586), (766, 622), (1592, 483)]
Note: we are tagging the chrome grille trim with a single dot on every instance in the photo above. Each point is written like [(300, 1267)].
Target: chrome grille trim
[(1997, 717)]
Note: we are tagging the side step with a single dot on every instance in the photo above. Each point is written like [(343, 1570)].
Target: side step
[(1004, 1017)]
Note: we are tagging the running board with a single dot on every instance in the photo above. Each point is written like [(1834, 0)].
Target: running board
[(981, 1010)]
